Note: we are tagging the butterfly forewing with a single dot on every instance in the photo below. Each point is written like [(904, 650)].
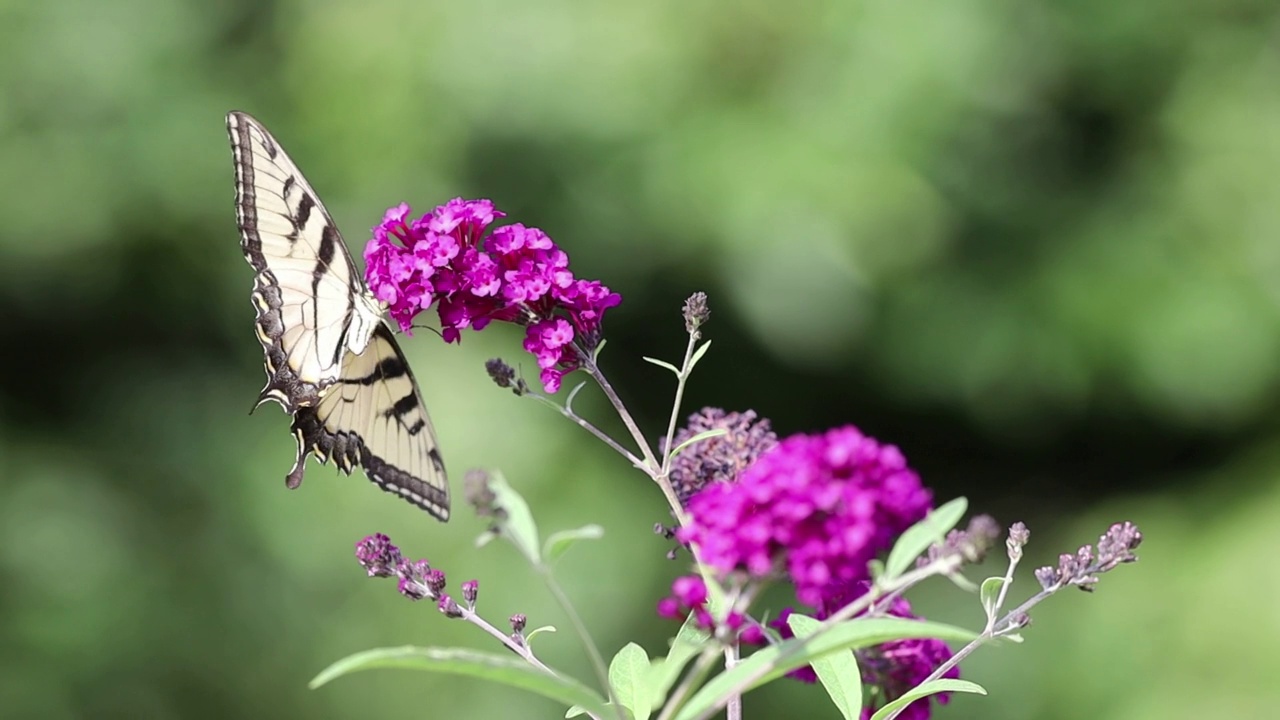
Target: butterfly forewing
[(331, 361), (289, 237)]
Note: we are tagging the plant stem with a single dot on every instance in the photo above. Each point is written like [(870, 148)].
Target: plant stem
[(583, 423), (733, 708), (521, 649), (691, 679), (589, 364), (681, 379), (597, 660)]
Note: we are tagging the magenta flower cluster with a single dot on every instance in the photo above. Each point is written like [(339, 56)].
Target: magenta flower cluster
[(417, 580), (816, 508), (450, 258)]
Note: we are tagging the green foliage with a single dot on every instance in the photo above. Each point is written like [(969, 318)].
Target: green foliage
[(460, 661), (838, 672), (920, 536)]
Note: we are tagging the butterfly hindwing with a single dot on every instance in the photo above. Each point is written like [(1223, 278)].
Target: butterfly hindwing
[(374, 417), (331, 361)]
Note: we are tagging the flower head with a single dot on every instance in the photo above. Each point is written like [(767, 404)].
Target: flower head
[(816, 507), (1082, 568), (719, 458), (474, 275), (377, 555)]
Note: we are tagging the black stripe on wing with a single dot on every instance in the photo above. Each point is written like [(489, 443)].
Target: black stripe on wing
[(362, 422)]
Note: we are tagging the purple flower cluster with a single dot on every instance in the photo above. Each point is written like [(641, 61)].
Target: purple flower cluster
[(689, 596), (417, 579), (450, 258), (719, 458), (900, 665), (816, 507)]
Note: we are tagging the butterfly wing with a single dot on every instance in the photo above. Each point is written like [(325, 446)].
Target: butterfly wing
[(311, 303), (374, 417), (331, 362)]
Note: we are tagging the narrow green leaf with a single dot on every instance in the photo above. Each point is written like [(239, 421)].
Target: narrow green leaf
[(663, 673), (628, 673), (717, 598), (574, 711), (503, 669), (962, 582), (663, 364), (838, 672), (529, 636), (920, 536), (559, 542), (518, 526), (791, 654), (697, 438), (568, 402), (697, 354), (990, 594), (595, 354), (932, 687)]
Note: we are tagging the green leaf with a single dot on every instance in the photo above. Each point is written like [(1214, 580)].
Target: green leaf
[(518, 525), (786, 656), (628, 673), (697, 438), (595, 354), (529, 636), (559, 542), (503, 669), (990, 594), (568, 402), (920, 536), (663, 673), (838, 672), (697, 354), (933, 687), (613, 711), (663, 363), (962, 582), (717, 598)]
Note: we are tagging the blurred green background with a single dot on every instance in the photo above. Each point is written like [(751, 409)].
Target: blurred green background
[(1035, 244)]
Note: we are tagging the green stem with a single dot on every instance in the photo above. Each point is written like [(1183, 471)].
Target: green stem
[(681, 379), (597, 660)]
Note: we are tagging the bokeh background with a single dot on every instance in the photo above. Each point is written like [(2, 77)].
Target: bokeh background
[(1035, 244)]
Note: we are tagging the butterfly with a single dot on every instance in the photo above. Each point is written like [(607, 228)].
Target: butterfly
[(332, 361)]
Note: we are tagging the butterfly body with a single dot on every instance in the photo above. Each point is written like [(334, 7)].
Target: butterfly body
[(331, 360)]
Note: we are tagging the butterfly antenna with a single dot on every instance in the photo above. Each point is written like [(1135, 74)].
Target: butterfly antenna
[(426, 327)]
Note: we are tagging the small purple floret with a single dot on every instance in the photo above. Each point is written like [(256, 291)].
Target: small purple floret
[(377, 555)]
